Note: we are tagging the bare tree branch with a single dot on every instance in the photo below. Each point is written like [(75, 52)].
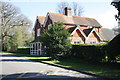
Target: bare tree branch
[(61, 6), (77, 10)]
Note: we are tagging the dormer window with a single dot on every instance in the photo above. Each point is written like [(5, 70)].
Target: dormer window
[(38, 32), (90, 27)]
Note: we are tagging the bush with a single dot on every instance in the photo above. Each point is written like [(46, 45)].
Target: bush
[(23, 50), (56, 40), (88, 52), (113, 49)]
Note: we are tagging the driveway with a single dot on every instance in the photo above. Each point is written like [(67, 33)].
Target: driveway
[(17, 67)]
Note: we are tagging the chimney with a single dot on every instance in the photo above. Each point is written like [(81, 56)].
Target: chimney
[(67, 11)]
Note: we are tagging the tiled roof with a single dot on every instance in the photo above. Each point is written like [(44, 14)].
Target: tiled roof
[(107, 34), (74, 20), (41, 19), (87, 31)]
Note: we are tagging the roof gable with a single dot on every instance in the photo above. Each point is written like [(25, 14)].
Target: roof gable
[(77, 28), (93, 30), (48, 16), (87, 31), (41, 19)]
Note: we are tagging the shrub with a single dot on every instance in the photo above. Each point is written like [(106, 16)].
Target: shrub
[(113, 49), (23, 50), (88, 52), (56, 40)]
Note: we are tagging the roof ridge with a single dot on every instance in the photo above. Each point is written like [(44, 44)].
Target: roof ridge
[(41, 16), (56, 13), (85, 17)]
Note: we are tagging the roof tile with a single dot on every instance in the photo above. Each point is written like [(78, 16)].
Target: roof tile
[(74, 20), (41, 19)]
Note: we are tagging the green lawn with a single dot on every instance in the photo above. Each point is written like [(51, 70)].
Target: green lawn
[(106, 69)]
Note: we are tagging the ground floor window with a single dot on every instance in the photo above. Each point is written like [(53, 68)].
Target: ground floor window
[(36, 48), (76, 42), (92, 41)]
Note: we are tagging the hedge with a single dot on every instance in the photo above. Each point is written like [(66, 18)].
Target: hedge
[(89, 52), (24, 50)]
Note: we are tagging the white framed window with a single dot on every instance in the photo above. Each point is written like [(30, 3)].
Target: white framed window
[(49, 26), (38, 32), (92, 41), (76, 42)]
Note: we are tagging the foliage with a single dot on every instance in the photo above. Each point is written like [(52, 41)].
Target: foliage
[(10, 43), (90, 53), (103, 52), (76, 8), (13, 27), (23, 50), (113, 49), (117, 29), (56, 40)]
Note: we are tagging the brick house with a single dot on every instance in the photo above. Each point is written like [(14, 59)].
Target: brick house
[(82, 29)]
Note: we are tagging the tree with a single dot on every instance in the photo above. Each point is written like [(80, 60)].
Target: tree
[(117, 30), (11, 19), (117, 17), (56, 40), (61, 7), (113, 49), (77, 9)]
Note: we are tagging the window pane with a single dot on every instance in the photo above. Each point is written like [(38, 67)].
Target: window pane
[(38, 32)]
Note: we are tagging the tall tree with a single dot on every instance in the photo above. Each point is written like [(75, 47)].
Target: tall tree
[(11, 19), (117, 29), (117, 6), (61, 6), (77, 10), (56, 40)]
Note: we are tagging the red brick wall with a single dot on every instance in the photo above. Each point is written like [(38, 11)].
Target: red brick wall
[(77, 36), (93, 37), (37, 26)]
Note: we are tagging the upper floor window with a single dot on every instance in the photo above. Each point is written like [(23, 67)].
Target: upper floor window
[(38, 32), (90, 27), (49, 26)]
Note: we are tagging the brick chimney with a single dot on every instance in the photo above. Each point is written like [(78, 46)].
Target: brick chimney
[(67, 11)]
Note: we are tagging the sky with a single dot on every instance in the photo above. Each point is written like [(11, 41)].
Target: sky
[(101, 10)]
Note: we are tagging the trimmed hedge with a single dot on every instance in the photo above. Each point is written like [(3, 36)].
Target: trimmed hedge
[(89, 52), (24, 50)]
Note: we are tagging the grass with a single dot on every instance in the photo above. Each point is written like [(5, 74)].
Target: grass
[(27, 56), (105, 69)]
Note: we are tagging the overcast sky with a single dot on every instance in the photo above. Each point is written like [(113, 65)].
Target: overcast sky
[(101, 10)]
